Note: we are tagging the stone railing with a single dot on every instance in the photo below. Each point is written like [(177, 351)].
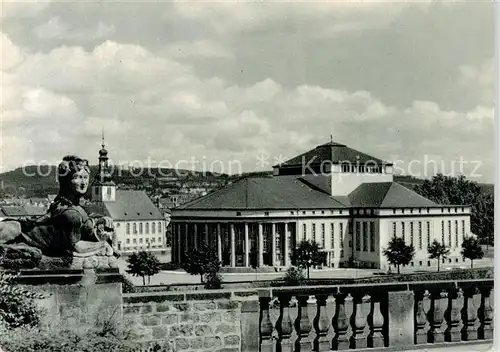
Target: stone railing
[(375, 316)]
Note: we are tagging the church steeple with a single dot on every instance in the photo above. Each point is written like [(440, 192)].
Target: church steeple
[(103, 187)]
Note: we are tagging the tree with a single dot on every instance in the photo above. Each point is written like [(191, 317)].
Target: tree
[(460, 191), (471, 249), (438, 251), (201, 261), (143, 264), (399, 253), (307, 254)]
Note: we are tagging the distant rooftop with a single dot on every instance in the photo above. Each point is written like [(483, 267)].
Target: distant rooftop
[(332, 152)]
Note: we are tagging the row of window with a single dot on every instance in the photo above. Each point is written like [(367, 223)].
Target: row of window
[(419, 228), (323, 241), (367, 228), (134, 240), (143, 228), (372, 169)]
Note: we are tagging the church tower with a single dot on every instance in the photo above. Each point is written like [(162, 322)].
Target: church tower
[(103, 187)]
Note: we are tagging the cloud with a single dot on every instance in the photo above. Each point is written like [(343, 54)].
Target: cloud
[(198, 49), (57, 29), (23, 9)]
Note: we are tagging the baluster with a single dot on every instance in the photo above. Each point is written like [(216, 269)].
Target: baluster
[(266, 327), (452, 333), (486, 315), (436, 334), (376, 337), (303, 326), (321, 325), (340, 324), (420, 317), (284, 325), (358, 321), (469, 315)]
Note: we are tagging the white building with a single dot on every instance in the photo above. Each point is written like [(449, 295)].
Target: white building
[(341, 198), (139, 224)]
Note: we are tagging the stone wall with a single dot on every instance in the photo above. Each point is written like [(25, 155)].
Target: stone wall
[(74, 298), (216, 321)]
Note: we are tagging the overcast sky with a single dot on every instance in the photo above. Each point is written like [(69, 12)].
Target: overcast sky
[(235, 81)]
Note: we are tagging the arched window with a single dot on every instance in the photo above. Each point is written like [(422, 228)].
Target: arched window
[(154, 227), (147, 227), (159, 227), (140, 228), (135, 228), (128, 229)]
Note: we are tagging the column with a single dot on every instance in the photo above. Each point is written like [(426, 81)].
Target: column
[(173, 246), (233, 245), (286, 250), (206, 234), (273, 244), (179, 244), (261, 246), (195, 234), (247, 247), (219, 243), (187, 240)]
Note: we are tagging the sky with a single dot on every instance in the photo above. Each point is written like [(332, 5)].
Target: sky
[(240, 86)]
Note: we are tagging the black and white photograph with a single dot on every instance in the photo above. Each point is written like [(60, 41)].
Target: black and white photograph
[(248, 176)]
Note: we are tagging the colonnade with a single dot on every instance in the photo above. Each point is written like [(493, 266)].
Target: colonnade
[(238, 244)]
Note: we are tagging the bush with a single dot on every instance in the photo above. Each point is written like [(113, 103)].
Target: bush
[(17, 305), (213, 281), (128, 286), (294, 277)]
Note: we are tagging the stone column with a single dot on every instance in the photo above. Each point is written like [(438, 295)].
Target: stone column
[(219, 243), (286, 250), (247, 247), (173, 246), (261, 246), (195, 234), (233, 245), (273, 244), (179, 243), (187, 240), (206, 234)]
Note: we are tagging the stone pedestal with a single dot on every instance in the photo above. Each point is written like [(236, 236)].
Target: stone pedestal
[(401, 320)]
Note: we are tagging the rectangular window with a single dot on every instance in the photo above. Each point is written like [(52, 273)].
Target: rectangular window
[(428, 234), (159, 239), (463, 229), (140, 240), (128, 240), (365, 236), (323, 236), (442, 232), (403, 231), (332, 234), (411, 233), (153, 240), (128, 229), (420, 235), (456, 233), (358, 237), (159, 227), (449, 233), (147, 228), (304, 232), (140, 228), (394, 229), (341, 236), (153, 227), (372, 236), (314, 232)]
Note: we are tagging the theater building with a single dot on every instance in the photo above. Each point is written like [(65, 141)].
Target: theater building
[(344, 200)]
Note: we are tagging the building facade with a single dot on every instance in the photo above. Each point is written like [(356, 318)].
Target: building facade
[(139, 224), (344, 200)]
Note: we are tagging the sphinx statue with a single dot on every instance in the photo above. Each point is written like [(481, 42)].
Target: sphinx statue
[(66, 230)]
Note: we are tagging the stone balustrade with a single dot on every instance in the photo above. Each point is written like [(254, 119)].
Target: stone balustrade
[(375, 316)]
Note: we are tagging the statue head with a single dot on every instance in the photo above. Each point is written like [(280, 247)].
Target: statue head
[(73, 176)]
